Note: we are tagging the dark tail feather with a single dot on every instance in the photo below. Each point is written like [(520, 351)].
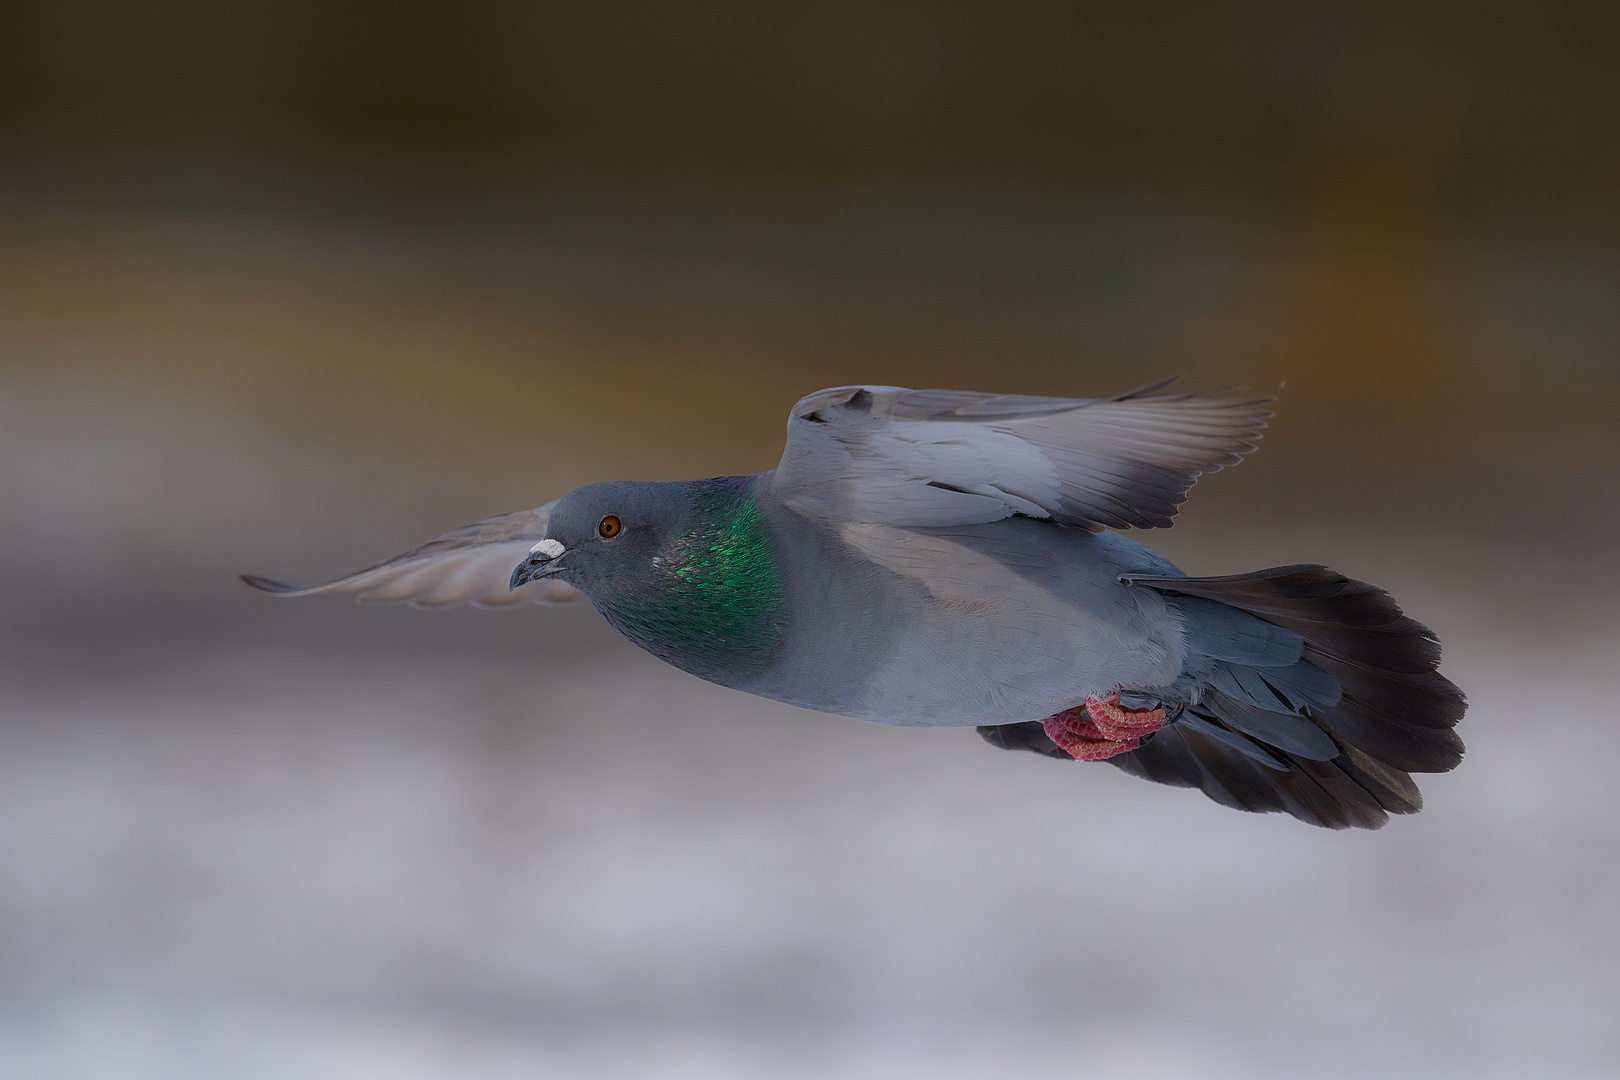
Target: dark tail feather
[(1327, 793), (1394, 716), (1396, 712), (1318, 792)]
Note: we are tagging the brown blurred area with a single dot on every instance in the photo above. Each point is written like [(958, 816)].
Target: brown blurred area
[(1409, 213), (288, 287)]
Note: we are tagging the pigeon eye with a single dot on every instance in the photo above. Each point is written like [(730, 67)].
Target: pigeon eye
[(610, 527)]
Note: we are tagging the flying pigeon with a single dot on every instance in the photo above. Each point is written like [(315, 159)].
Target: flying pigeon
[(937, 558)]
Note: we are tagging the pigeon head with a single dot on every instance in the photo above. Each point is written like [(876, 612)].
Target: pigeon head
[(603, 534), (687, 570)]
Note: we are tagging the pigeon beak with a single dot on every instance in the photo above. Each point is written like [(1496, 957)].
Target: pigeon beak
[(541, 563)]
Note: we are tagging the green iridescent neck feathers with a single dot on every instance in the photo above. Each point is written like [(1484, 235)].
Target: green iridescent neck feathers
[(710, 599)]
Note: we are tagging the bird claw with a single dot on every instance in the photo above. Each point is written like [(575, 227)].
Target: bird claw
[(1102, 728), (1115, 721)]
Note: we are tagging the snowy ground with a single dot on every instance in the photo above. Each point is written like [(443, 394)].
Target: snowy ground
[(245, 838)]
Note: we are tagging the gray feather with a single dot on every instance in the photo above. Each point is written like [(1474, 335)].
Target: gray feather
[(469, 565), (1286, 731), (1242, 745), (885, 455), (1220, 632), (1277, 689)]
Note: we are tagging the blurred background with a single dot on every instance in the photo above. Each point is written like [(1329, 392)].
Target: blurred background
[(287, 288)]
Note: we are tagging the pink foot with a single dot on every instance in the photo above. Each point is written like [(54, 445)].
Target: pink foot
[(1117, 722), (1102, 728)]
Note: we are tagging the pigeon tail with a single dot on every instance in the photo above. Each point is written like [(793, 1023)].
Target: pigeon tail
[(1320, 706)]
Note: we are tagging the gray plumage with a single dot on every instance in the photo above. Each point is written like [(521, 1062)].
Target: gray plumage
[(936, 558)]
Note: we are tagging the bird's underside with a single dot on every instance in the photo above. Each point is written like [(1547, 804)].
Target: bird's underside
[(1299, 690)]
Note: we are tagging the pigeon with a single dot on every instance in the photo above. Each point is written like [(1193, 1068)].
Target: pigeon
[(939, 558)]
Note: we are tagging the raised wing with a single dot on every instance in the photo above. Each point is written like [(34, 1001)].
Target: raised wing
[(887, 455), (469, 565)]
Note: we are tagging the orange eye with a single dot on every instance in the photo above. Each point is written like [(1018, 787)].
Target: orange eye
[(610, 527)]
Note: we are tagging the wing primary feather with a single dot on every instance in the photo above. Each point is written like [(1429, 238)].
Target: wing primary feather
[(469, 565), (264, 584)]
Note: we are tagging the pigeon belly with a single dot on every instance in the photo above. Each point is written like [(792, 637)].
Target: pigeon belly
[(983, 624)]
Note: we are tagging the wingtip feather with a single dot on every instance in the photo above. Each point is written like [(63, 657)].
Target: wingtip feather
[(264, 584)]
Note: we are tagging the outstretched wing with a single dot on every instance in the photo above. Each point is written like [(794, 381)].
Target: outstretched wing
[(887, 455), (469, 565)]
